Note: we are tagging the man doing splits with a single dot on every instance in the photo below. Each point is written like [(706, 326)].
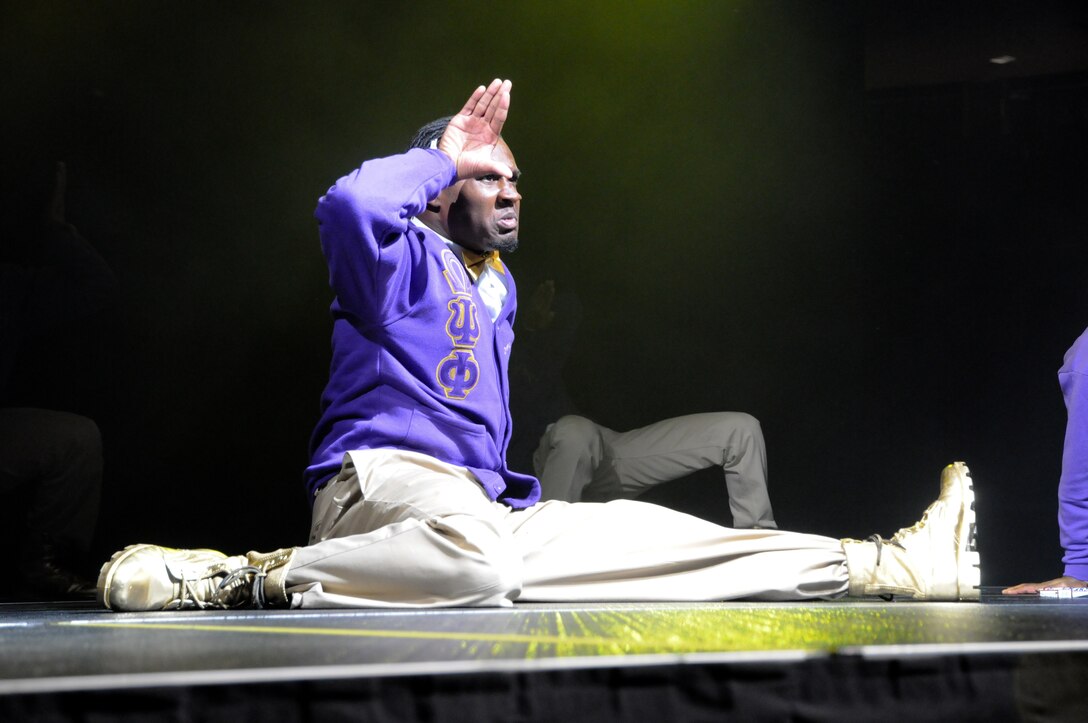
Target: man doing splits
[(414, 505)]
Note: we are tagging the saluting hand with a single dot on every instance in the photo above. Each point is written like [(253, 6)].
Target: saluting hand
[(472, 134)]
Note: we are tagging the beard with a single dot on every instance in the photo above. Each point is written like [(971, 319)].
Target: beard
[(504, 245)]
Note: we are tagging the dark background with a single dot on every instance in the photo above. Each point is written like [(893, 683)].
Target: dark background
[(840, 217)]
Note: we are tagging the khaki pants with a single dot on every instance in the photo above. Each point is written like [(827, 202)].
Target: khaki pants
[(401, 529)]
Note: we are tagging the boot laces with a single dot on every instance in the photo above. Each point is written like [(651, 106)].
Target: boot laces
[(916, 527), (190, 589), (880, 542), (237, 578)]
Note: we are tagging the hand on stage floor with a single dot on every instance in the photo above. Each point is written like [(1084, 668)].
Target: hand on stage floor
[(473, 133), (1030, 588)]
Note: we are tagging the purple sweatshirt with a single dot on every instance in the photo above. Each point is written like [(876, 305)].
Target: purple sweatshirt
[(417, 363), (1073, 486)]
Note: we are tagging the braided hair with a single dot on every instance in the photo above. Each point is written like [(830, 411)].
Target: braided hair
[(430, 133)]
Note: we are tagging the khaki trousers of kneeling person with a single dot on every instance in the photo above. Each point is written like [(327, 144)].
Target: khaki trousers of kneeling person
[(402, 529)]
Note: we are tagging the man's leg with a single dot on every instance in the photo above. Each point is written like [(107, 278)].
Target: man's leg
[(404, 529), (626, 550), (630, 550), (670, 449), (392, 529), (568, 457)]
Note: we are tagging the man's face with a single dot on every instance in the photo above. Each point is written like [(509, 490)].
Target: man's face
[(481, 214)]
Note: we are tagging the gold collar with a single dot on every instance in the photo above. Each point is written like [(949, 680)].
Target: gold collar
[(476, 263)]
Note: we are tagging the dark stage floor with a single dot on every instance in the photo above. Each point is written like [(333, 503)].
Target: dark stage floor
[(52, 647)]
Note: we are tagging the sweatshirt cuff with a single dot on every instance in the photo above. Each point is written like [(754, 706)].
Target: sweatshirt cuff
[(1079, 571)]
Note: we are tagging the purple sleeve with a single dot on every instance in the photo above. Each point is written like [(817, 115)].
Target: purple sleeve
[(1073, 486), (364, 221)]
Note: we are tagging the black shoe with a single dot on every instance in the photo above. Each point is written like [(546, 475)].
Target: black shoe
[(46, 573), (48, 580)]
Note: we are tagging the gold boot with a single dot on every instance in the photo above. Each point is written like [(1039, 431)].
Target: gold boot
[(935, 559), (150, 577)]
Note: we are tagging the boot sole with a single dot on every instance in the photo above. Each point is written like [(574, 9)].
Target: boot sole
[(968, 560)]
